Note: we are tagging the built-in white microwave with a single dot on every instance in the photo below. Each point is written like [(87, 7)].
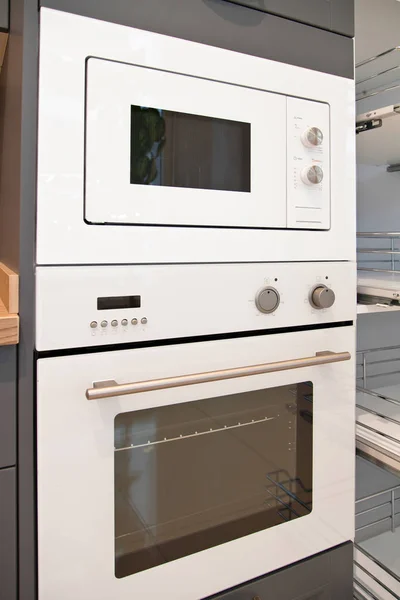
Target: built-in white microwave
[(165, 148), (156, 149)]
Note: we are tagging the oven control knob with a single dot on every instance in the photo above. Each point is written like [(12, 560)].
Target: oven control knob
[(267, 300), (312, 175), (322, 297), (312, 137)]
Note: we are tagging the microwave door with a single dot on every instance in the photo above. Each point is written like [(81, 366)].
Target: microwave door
[(170, 149)]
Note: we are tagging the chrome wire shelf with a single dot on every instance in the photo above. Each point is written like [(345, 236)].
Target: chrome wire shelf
[(195, 434), (378, 268), (371, 579), (377, 514), (392, 503), (384, 78), (378, 408), (391, 249)]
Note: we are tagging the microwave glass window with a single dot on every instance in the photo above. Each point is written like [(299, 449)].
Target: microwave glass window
[(194, 475), (176, 149)]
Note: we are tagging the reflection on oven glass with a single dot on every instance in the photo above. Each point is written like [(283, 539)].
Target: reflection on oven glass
[(194, 475), (176, 149)]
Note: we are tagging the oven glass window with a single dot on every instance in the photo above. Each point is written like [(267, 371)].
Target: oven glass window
[(194, 475), (176, 149)]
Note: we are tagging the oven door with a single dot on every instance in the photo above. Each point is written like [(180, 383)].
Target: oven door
[(193, 482)]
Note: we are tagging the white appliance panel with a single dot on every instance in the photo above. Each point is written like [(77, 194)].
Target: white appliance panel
[(182, 300), (308, 205), (76, 464), (64, 236)]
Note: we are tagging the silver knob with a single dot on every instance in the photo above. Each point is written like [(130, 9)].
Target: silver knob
[(312, 137), (322, 297), (312, 175), (267, 300)]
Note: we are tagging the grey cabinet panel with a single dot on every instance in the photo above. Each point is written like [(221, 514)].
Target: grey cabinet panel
[(4, 14), (342, 19), (336, 15), (342, 572), (227, 24), (314, 12), (8, 571), (8, 375), (327, 576)]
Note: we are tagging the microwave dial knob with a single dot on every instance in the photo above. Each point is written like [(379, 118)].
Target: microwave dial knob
[(267, 300), (322, 297), (312, 137), (312, 175)]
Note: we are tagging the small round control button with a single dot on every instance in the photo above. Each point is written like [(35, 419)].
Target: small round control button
[(322, 297), (114, 323), (312, 137), (143, 320), (134, 321), (124, 322), (93, 324), (104, 323), (267, 300), (312, 175)]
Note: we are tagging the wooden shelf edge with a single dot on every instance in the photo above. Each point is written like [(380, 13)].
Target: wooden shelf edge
[(3, 46), (9, 330), (9, 289), (9, 319)]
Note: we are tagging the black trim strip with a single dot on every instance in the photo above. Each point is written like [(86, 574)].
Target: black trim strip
[(246, 586), (189, 340)]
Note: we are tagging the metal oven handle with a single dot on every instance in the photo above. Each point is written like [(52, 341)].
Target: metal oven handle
[(110, 389)]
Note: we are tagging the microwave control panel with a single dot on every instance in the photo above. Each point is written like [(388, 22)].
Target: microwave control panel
[(308, 164), (94, 306)]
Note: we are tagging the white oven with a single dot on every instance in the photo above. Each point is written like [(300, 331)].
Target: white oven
[(156, 149), (182, 479), (217, 447)]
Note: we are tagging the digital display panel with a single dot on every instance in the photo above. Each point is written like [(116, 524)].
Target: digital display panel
[(116, 302)]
